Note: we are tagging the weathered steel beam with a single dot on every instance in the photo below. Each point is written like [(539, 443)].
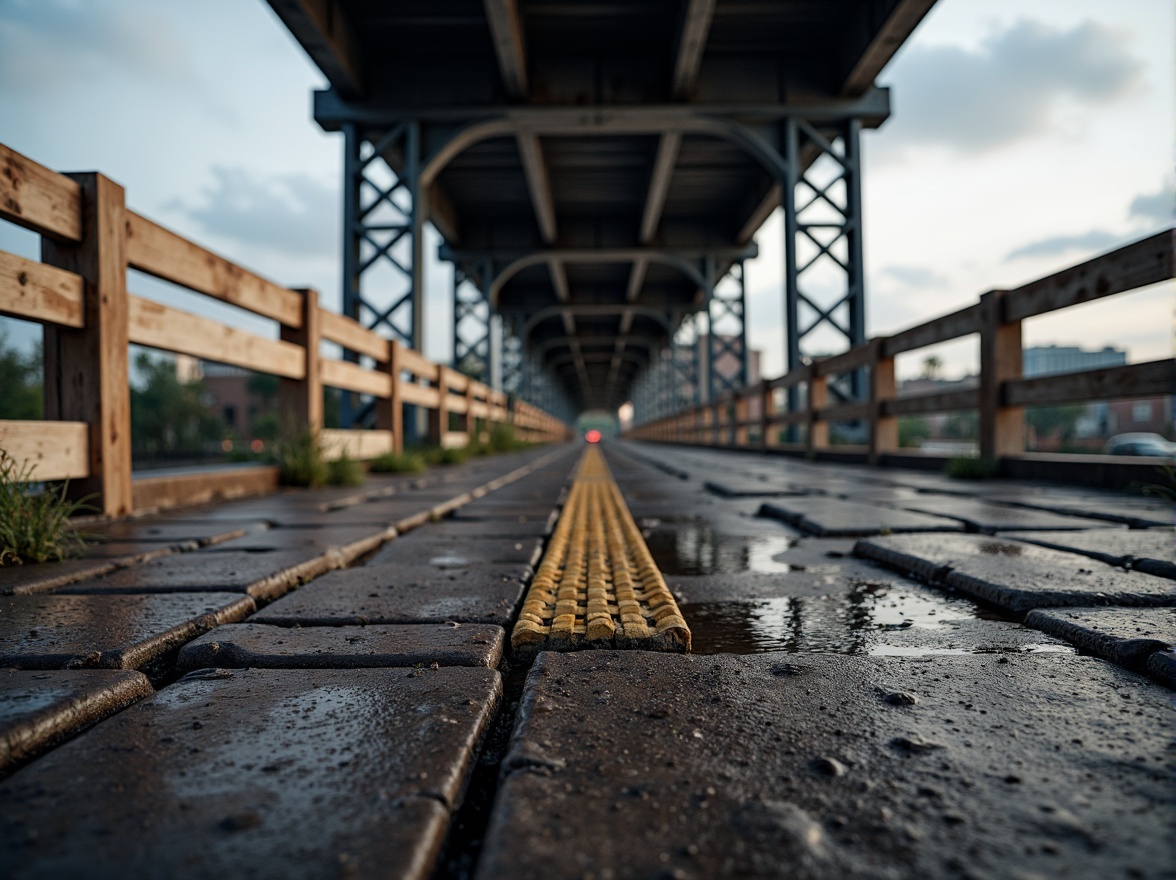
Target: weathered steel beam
[(321, 27), (506, 32)]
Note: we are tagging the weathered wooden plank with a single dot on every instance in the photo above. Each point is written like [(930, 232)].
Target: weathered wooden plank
[(86, 371), (302, 399), (57, 450), (176, 490), (789, 418), (942, 401), (941, 329), (849, 360), (418, 395), (844, 412), (1152, 379), (159, 326), (791, 378), (417, 364), (353, 377), (36, 198), (351, 334), (38, 292), (160, 252), (359, 444), (1137, 265)]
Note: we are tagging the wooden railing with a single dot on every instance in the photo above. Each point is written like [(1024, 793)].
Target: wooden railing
[(752, 417), (78, 292)]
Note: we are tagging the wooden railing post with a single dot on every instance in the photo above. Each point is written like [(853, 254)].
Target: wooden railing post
[(300, 401), (390, 411), (1001, 427), (439, 417), (471, 421), (883, 388), (766, 398), (818, 399), (86, 373)]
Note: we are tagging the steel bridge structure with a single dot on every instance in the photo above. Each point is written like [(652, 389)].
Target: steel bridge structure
[(597, 172)]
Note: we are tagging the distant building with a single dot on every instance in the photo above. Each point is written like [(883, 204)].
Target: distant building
[(1045, 360)]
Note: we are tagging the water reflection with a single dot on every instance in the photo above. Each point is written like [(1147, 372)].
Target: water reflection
[(869, 618), (692, 547)]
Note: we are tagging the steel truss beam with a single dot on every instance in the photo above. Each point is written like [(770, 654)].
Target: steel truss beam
[(727, 339), (472, 347), (823, 233)]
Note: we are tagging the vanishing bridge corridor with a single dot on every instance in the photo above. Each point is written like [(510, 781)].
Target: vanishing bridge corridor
[(747, 632)]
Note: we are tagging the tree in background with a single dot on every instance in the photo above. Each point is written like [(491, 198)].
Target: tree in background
[(21, 382), (168, 417), (932, 367)]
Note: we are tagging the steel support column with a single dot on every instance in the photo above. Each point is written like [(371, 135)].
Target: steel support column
[(472, 349), (824, 280), (383, 220), (727, 339)]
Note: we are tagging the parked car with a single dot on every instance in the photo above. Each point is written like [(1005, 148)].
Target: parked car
[(1141, 444)]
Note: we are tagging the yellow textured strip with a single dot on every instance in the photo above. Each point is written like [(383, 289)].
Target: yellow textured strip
[(597, 586)]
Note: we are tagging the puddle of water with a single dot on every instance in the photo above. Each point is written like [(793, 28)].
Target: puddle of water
[(688, 547), (875, 619)]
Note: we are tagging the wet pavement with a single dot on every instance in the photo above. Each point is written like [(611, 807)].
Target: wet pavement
[(861, 701)]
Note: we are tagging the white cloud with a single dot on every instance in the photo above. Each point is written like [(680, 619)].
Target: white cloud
[(1009, 88)]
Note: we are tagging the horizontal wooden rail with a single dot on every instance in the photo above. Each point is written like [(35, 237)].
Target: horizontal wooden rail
[(417, 364), (941, 401), (1152, 379), (1137, 265), (36, 198), (942, 329), (352, 335), (357, 444), (158, 326), (37, 292), (353, 377), (78, 292), (160, 252), (57, 450), (999, 397)]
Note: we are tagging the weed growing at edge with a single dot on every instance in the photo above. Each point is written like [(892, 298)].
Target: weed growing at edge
[(34, 527)]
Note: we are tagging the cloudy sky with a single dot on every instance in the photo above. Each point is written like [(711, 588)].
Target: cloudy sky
[(1026, 136)]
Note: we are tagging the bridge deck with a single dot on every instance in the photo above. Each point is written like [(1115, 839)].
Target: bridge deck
[(867, 695)]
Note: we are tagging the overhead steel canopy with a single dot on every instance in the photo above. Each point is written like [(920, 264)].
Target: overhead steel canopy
[(597, 166)]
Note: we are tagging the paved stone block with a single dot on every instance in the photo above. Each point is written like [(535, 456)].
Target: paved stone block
[(256, 773), (22, 579), (170, 531), (746, 487), (115, 632), (1149, 550), (654, 765), (317, 539), (983, 516), (430, 546), (381, 594), (506, 527), (39, 709), (1014, 575), (258, 646), (1162, 666), (1127, 636), (133, 552), (263, 575), (834, 518), (1136, 512)]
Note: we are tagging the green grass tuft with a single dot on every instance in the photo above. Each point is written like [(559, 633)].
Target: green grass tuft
[(965, 467), (301, 462), (34, 526), (345, 471), (398, 463)]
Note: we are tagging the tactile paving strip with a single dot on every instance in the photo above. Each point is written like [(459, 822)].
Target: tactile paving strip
[(597, 586)]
